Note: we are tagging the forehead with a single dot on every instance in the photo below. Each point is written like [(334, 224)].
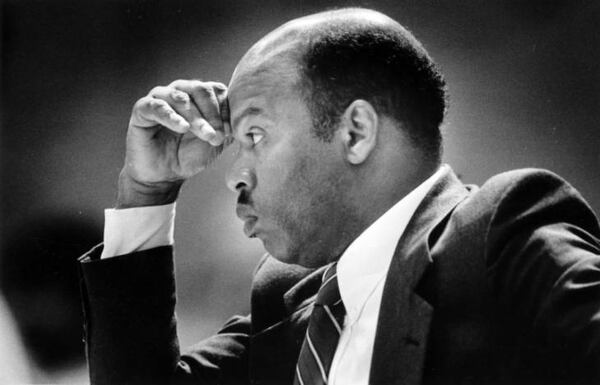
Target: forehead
[(269, 69), (261, 91)]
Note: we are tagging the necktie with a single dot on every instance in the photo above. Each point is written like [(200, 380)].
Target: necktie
[(323, 333)]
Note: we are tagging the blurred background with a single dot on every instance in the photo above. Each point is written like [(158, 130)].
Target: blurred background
[(524, 82)]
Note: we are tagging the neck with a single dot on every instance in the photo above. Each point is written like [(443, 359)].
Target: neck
[(388, 191), (376, 194)]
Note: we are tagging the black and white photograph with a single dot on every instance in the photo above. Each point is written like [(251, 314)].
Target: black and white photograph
[(278, 192)]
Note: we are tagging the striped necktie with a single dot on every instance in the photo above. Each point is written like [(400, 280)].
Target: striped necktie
[(323, 333)]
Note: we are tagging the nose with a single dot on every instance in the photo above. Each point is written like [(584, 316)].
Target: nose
[(241, 178)]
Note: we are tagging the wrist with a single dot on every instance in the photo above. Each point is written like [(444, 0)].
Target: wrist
[(133, 193)]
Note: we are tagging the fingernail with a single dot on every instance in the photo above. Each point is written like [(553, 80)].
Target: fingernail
[(216, 139)]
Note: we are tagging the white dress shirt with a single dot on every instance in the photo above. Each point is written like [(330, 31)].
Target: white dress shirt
[(136, 229), (361, 270), (361, 273)]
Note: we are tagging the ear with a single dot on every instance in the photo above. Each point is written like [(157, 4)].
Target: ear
[(359, 131)]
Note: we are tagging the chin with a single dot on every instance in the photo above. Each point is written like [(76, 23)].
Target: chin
[(280, 254), (295, 258), (293, 254)]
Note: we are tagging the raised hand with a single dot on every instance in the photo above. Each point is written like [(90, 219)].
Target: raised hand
[(174, 133)]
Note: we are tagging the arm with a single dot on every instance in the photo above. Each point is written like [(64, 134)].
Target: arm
[(131, 337), (129, 300)]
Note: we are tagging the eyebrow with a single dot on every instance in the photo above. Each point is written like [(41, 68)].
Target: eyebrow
[(249, 111)]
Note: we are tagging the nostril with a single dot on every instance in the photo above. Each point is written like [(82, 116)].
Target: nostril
[(240, 186), (241, 179)]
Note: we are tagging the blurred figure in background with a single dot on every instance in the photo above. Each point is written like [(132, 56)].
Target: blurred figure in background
[(14, 363), (38, 277)]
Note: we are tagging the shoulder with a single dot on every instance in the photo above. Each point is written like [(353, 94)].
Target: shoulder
[(527, 245), (532, 182), (528, 213), (535, 197), (276, 277), (517, 207), (277, 288), (536, 194)]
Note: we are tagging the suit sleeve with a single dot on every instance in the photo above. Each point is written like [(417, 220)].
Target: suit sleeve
[(130, 326), (543, 257)]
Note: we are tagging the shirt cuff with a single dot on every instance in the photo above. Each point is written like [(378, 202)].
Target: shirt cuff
[(137, 229)]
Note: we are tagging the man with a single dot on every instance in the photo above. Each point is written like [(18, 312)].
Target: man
[(382, 267)]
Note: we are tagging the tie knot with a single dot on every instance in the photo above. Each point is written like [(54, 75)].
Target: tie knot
[(329, 292)]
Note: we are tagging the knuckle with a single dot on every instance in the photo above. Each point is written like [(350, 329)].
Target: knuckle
[(142, 104), (203, 90), (164, 112), (218, 87), (158, 90), (179, 96), (186, 85), (179, 83), (159, 107), (153, 103)]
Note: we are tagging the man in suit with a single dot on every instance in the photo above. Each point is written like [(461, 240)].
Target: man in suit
[(382, 267)]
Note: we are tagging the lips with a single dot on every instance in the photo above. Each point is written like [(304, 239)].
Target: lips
[(246, 214), (249, 224)]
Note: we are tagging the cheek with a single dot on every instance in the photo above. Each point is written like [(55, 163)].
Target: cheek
[(296, 183), (281, 187), (300, 195)]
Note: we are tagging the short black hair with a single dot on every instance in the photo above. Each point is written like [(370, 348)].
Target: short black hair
[(384, 65)]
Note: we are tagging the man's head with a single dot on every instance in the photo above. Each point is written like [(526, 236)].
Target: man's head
[(337, 115)]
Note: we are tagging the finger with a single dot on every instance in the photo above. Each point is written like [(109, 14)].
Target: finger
[(203, 130), (151, 111), (205, 98), (226, 122), (181, 102), (221, 93)]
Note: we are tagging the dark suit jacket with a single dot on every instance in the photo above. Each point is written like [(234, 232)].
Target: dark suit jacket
[(498, 285)]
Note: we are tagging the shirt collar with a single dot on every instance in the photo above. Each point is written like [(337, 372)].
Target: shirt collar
[(366, 261)]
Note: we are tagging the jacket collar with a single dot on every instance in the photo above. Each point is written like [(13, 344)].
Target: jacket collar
[(405, 317)]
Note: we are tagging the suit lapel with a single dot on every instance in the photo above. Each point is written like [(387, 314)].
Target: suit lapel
[(275, 349), (404, 316)]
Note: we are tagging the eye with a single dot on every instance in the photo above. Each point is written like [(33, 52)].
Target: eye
[(255, 137)]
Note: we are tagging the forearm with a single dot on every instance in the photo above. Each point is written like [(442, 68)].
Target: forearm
[(129, 305), (132, 193), (130, 326)]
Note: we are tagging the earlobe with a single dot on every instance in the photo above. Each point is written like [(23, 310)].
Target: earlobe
[(359, 131)]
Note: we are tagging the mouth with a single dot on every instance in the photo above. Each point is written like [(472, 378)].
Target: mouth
[(246, 214), (249, 224)]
